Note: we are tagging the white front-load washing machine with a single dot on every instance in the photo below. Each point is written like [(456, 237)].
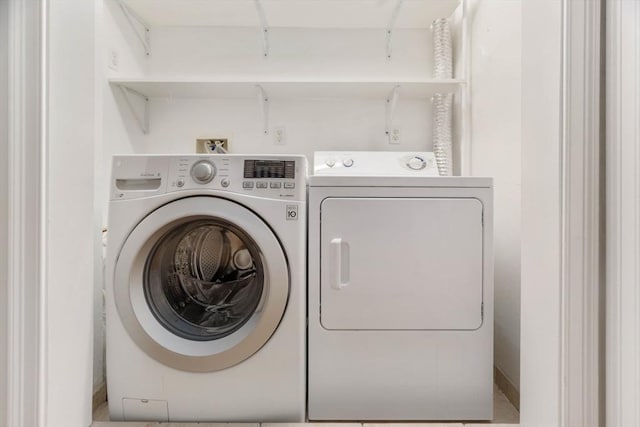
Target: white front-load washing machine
[(206, 288), (400, 290)]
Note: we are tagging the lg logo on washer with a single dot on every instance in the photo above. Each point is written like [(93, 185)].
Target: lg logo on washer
[(292, 213)]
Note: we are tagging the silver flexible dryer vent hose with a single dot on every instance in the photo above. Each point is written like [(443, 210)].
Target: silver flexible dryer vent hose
[(442, 50), (442, 102), (442, 124)]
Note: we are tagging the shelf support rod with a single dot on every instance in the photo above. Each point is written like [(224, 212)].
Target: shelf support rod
[(392, 101), (263, 103), (142, 118), (392, 23), (142, 34), (264, 27)]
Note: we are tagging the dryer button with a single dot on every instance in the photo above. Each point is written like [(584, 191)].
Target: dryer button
[(416, 163), (247, 184)]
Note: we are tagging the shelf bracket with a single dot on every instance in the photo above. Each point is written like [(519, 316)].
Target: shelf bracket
[(392, 101), (263, 103), (139, 26), (142, 117), (392, 23), (264, 27)]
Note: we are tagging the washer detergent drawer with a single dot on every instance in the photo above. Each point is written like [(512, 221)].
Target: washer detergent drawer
[(401, 264)]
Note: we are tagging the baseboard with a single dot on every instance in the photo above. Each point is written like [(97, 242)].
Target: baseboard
[(99, 396), (505, 385)]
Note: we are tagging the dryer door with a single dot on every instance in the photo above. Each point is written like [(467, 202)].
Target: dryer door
[(401, 264), (201, 284)]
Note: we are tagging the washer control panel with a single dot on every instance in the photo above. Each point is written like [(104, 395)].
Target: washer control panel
[(374, 163), (271, 176)]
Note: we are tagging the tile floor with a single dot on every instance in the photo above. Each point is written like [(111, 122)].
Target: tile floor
[(505, 415)]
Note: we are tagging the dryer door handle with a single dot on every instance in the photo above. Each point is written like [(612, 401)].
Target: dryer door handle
[(340, 256)]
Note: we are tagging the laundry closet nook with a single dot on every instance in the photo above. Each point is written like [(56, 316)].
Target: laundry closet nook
[(281, 77)]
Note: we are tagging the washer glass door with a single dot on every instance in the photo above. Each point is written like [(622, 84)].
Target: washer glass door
[(195, 289), (204, 279)]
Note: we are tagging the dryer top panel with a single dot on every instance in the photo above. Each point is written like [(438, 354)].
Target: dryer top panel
[(401, 181)]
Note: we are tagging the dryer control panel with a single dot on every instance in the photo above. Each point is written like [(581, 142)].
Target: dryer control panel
[(266, 176), (374, 163)]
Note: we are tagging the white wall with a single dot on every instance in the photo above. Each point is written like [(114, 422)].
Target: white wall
[(69, 208), (4, 183), (540, 380), (496, 146)]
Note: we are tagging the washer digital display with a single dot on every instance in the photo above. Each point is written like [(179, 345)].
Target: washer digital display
[(282, 169)]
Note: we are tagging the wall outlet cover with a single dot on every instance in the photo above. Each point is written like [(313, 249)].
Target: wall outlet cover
[(394, 136), (113, 59), (279, 135)]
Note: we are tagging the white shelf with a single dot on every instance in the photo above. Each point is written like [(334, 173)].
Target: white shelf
[(352, 14), (301, 89)]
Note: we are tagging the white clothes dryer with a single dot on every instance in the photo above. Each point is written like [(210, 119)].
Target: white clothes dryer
[(400, 290), (206, 288)]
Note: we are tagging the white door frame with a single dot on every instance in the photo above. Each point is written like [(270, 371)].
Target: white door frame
[(558, 239), (26, 244), (623, 213), (582, 280), (4, 207), (561, 214)]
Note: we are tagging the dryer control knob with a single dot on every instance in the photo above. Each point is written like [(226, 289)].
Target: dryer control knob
[(416, 163), (331, 163), (203, 171), (347, 163)]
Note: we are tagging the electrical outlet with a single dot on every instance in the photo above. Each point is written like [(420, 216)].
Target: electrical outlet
[(208, 145), (394, 136), (279, 136), (113, 59)]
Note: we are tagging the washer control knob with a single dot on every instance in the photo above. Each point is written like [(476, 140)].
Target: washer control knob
[(331, 163), (347, 163), (203, 171), (416, 163), (224, 182)]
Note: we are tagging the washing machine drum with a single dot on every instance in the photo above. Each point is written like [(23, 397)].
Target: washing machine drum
[(204, 279), (201, 284)]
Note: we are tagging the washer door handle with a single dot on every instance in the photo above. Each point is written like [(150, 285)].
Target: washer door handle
[(340, 250)]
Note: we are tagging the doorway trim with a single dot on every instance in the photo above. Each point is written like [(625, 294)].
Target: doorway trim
[(561, 324), (26, 238), (582, 281), (623, 213)]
